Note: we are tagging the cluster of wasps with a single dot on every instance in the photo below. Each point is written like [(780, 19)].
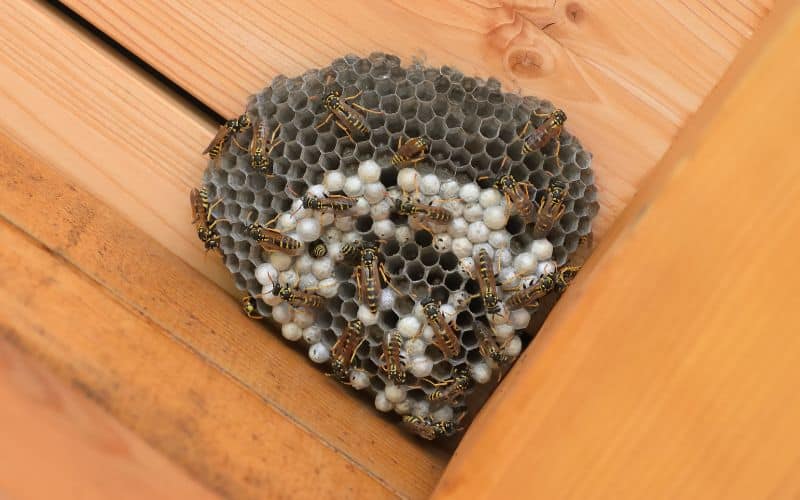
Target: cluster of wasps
[(368, 269)]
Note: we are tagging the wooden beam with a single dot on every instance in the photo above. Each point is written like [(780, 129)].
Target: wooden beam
[(56, 443), (669, 370), (94, 117), (194, 317), (627, 73)]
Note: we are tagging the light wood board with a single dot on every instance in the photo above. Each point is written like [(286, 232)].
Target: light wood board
[(670, 369), (220, 359), (628, 73), (56, 442)]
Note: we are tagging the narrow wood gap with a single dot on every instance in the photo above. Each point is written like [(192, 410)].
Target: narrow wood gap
[(170, 85)]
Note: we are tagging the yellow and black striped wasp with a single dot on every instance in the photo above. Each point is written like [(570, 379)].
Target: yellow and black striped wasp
[(226, 132), (410, 152), (298, 298), (272, 240), (201, 216), (346, 114), (430, 429), (392, 361), (489, 349), (453, 389), (528, 298), (540, 136), (487, 283), (444, 334), (368, 273), (550, 208), (344, 350), (517, 193), (261, 147)]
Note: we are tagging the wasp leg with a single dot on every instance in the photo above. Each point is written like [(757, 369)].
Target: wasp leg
[(323, 122), (346, 130), (521, 135), (366, 110), (348, 99)]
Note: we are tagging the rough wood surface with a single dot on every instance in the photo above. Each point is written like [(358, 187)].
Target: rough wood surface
[(54, 442), (670, 369), (627, 73), (95, 118), (273, 389)]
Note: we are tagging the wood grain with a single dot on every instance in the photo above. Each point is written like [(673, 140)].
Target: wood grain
[(95, 118), (202, 320), (54, 442), (670, 369), (628, 74), (224, 434)]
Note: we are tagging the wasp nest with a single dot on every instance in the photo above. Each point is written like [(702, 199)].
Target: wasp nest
[(472, 138)]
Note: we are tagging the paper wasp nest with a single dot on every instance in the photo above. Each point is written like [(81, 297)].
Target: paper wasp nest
[(472, 125)]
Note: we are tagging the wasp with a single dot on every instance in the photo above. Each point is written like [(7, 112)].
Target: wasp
[(368, 273), (488, 347), (335, 203), (391, 359), (516, 192), (346, 114), (486, 282), (298, 298), (444, 333), (317, 249), (261, 147), (201, 215), (422, 212), (529, 297), (549, 130), (250, 308), (227, 131), (410, 152), (550, 209), (452, 389), (353, 249), (430, 429), (272, 240), (344, 350)]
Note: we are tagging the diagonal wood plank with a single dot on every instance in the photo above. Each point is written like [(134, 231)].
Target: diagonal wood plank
[(627, 73), (220, 431), (96, 118), (48, 430), (680, 380), (156, 284)]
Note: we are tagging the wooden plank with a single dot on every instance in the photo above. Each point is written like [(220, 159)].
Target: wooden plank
[(95, 118), (56, 443), (627, 73), (679, 379), (223, 433), (156, 284)]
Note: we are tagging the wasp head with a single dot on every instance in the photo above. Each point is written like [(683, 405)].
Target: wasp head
[(505, 183), (547, 282), (310, 202), (356, 325), (559, 117), (404, 207), (430, 307), (332, 101), (558, 190)]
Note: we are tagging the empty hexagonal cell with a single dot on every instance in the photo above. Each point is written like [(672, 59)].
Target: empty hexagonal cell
[(390, 104), (394, 123), (425, 91), (424, 112), (484, 109)]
